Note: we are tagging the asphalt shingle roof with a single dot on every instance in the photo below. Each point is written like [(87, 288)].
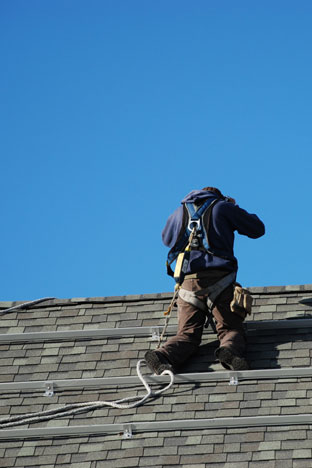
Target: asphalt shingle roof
[(270, 347)]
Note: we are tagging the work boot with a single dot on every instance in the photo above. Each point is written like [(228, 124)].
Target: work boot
[(157, 362), (230, 360)]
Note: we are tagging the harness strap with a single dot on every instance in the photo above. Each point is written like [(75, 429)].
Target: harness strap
[(190, 298), (212, 292), (194, 215), (215, 289)]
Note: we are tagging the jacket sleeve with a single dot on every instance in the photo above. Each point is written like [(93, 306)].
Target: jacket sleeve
[(172, 228), (245, 223)]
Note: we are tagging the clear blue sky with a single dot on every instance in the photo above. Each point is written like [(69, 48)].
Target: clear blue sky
[(112, 110)]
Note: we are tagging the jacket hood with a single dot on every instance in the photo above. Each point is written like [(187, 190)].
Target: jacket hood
[(198, 195)]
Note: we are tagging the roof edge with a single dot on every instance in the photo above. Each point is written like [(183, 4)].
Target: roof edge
[(259, 290)]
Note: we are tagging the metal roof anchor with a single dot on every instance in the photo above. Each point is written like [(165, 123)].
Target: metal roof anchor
[(127, 434), (155, 334), (49, 389), (233, 379)]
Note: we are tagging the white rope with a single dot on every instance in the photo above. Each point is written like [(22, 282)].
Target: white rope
[(77, 408)]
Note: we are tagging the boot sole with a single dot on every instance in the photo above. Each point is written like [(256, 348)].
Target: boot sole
[(155, 364), (226, 356)]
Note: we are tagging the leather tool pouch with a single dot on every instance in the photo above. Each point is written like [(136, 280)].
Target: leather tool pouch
[(242, 301)]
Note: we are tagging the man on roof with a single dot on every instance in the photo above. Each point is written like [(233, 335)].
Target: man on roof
[(208, 282)]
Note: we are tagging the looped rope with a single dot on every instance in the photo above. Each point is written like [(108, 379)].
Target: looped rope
[(77, 408)]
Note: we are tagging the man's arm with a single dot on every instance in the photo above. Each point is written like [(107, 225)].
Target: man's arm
[(173, 226), (244, 223)]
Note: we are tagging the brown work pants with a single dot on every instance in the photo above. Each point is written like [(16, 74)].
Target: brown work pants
[(191, 321)]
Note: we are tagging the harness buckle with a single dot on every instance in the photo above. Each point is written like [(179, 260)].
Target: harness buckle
[(194, 224), (195, 243)]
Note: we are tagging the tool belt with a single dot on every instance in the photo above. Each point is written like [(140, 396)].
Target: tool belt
[(242, 301)]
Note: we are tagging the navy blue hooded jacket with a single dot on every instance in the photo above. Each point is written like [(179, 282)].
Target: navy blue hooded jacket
[(225, 219)]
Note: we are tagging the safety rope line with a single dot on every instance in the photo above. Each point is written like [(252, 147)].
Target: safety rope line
[(77, 408), (26, 305), (176, 292), (168, 314)]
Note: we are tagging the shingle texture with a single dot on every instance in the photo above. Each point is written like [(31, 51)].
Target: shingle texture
[(257, 445)]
